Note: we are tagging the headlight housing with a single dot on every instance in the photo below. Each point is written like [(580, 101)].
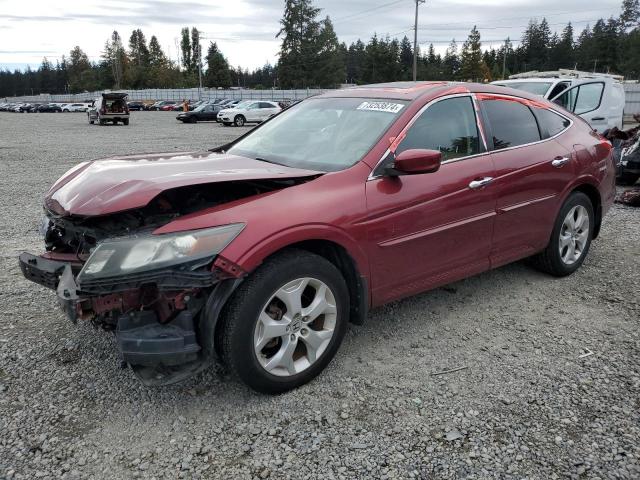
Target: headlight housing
[(131, 255)]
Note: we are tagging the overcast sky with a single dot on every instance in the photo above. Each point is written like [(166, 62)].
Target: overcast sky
[(245, 29)]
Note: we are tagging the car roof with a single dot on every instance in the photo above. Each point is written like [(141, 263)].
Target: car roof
[(533, 80), (114, 95), (424, 90)]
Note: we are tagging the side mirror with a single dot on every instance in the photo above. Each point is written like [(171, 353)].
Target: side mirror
[(415, 161)]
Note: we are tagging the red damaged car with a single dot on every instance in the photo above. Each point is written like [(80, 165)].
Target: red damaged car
[(260, 251)]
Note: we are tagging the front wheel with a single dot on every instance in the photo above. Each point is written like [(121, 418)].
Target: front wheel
[(239, 121), (285, 323), (570, 239)]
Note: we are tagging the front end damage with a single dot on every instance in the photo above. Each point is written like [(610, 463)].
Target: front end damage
[(160, 294)]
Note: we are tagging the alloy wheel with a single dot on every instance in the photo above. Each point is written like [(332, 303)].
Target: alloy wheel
[(574, 235), (295, 326)]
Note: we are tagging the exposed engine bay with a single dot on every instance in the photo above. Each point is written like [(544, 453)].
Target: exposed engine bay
[(78, 235), (156, 314)]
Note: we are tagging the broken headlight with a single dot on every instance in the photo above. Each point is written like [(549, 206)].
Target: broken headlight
[(151, 252)]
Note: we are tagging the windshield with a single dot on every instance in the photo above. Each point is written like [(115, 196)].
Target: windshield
[(199, 108), (326, 134), (244, 104), (537, 88)]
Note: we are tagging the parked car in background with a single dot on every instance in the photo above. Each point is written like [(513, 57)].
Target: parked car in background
[(135, 105), (168, 106), (249, 111), (599, 100), (49, 107), (110, 107), (263, 249), (76, 107), (204, 113), (157, 106)]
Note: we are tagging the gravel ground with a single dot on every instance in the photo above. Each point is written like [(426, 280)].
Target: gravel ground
[(526, 404)]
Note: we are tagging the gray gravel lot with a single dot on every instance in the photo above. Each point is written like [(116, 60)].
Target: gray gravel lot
[(526, 405)]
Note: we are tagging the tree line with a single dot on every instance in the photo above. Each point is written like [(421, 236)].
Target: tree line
[(312, 56)]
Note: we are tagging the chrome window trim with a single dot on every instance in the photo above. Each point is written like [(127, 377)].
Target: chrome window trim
[(481, 132), (476, 112), (539, 141)]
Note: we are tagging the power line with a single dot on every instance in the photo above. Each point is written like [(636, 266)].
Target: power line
[(367, 11), (519, 26)]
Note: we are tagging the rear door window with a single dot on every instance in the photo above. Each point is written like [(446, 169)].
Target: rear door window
[(512, 123), (448, 126)]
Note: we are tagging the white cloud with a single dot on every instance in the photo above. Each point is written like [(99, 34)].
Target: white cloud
[(245, 29)]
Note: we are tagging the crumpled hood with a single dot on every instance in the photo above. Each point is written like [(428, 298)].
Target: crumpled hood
[(113, 184)]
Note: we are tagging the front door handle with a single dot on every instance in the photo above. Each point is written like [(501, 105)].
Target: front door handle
[(560, 162), (483, 182)]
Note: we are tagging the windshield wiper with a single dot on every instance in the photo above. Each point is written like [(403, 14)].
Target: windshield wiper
[(268, 161)]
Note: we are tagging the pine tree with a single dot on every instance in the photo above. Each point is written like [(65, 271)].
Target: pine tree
[(406, 59), (630, 16), (471, 65), (330, 66), (218, 72), (78, 67), (451, 62), (299, 30)]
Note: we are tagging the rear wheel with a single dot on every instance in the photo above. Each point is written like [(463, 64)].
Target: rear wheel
[(570, 239), (125, 121), (239, 121), (285, 323)]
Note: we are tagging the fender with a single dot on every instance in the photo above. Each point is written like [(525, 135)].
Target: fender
[(249, 258)]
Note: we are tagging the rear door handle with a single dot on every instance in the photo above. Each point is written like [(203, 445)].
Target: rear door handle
[(483, 182), (597, 119), (560, 162)]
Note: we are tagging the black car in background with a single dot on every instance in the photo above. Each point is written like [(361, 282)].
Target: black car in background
[(137, 106), (49, 107), (206, 112)]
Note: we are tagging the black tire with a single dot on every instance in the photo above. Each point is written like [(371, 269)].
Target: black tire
[(239, 121), (235, 334), (550, 260), (91, 122), (193, 120), (101, 121), (125, 121), (226, 124), (115, 122)]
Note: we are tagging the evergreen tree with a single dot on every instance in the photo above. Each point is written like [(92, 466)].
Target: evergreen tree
[(78, 67), (471, 65), (299, 31), (630, 16), (218, 71), (451, 62), (330, 68), (406, 59)]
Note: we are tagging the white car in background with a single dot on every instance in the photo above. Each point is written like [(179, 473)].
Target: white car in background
[(599, 100), (76, 107), (249, 111)]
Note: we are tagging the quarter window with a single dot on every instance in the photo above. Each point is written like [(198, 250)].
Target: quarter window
[(551, 123), (448, 126), (512, 123)]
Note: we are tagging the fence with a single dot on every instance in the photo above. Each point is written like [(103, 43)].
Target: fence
[(632, 94), (632, 98), (178, 94)]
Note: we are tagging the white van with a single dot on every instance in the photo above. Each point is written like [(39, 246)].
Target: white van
[(599, 100)]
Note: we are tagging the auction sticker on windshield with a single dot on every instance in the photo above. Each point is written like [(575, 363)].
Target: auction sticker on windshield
[(381, 107)]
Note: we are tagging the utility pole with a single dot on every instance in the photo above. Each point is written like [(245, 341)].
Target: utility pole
[(415, 42), (504, 61)]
